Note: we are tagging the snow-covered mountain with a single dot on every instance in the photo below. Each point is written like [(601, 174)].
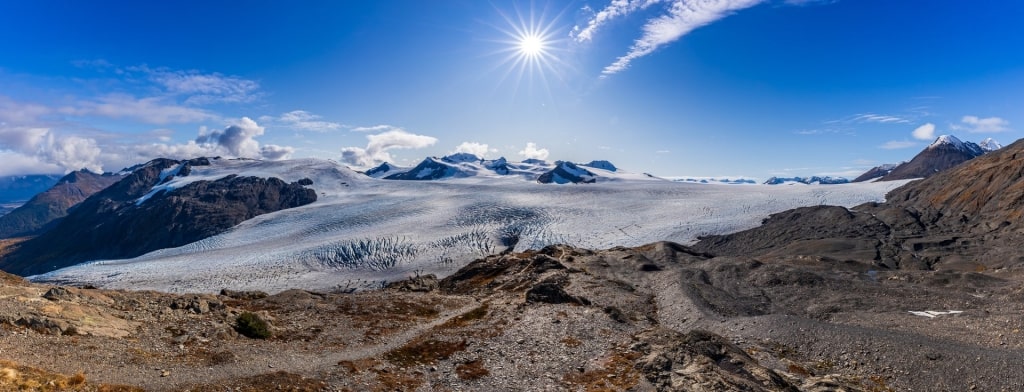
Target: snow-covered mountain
[(567, 173), (990, 144), (945, 152), (877, 172), (360, 230), (385, 169), (822, 180)]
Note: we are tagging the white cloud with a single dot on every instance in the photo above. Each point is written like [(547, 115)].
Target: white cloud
[(532, 152), (897, 144), (376, 150), (152, 110), (376, 128), (18, 164), (613, 10), (975, 124), (302, 120), (683, 17), (237, 139), (478, 149), (924, 132)]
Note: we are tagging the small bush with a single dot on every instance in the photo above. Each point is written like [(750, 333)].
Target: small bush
[(252, 325)]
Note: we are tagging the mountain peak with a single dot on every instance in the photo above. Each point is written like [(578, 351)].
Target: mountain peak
[(990, 144), (947, 139), (957, 144)]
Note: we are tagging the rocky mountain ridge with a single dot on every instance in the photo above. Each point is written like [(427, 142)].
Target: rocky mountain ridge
[(119, 222), (53, 204)]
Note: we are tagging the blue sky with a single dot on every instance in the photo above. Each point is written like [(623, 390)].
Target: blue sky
[(671, 87)]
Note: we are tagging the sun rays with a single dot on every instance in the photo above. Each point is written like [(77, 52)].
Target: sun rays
[(530, 49)]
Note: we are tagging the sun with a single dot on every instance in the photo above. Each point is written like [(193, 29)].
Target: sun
[(532, 46), (531, 50)]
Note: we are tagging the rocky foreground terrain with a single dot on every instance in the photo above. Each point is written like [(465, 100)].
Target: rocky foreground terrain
[(656, 317)]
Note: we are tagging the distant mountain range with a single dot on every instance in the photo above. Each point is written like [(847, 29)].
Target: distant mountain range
[(822, 180), (464, 165), (18, 189)]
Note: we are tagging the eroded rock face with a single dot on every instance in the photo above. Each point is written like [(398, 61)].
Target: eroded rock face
[(115, 224)]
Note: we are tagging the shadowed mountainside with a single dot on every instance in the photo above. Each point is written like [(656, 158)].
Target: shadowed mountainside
[(53, 204)]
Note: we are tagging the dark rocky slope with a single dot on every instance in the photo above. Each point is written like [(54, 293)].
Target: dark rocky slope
[(113, 224), (966, 218), (48, 206)]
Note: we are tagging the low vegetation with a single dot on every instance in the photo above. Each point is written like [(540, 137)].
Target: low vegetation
[(253, 326)]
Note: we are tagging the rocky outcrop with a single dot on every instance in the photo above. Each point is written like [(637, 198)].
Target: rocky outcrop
[(39, 213), (118, 223)]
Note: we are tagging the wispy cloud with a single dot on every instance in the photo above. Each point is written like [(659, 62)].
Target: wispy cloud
[(826, 131), (302, 120), (681, 17), (199, 88), (615, 9), (924, 132), (897, 144), (376, 150), (879, 118), (375, 128), (974, 124), (152, 110)]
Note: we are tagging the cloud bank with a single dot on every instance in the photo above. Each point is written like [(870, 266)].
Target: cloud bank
[(974, 124), (924, 132), (376, 150), (478, 149), (531, 151)]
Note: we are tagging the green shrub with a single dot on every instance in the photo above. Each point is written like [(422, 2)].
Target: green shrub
[(251, 325)]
